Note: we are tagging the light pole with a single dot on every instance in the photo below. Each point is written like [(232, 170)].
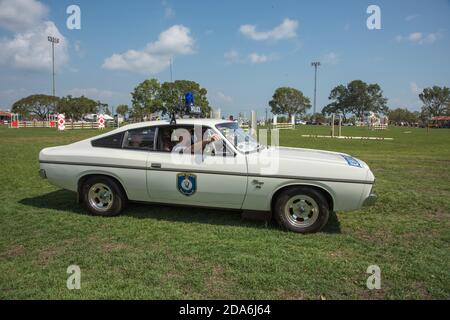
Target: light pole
[(53, 40), (315, 65), (171, 80)]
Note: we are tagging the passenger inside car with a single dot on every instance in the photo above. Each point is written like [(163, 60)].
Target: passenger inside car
[(167, 144), (135, 141)]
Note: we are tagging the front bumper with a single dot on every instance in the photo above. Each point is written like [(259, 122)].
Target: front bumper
[(370, 200)]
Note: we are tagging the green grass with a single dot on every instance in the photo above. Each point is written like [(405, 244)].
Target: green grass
[(156, 252)]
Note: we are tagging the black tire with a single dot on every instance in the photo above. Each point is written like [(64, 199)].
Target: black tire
[(115, 204), (286, 218)]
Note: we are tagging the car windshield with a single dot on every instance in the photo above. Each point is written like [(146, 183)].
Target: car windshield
[(242, 141)]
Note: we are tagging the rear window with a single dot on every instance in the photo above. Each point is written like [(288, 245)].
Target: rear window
[(112, 141)]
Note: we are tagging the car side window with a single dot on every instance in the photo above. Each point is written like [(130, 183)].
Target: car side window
[(169, 137), (182, 139), (140, 139), (111, 141)]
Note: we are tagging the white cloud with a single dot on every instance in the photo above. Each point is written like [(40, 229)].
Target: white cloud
[(415, 89), (79, 48), (430, 38), (92, 93), (330, 58), (156, 56), (411, 17), (169, 12), (415, 37), (286, 30), (420, 38), (258, 58), (223, 97), (8, 96), (105, 96), (232, 56), (21, 15), (175, 40), (30, 50)]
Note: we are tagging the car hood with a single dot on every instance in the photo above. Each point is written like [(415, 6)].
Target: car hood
[(309, 163), (312, 155)]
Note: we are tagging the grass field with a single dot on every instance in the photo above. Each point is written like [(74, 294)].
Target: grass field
[(156, 252)]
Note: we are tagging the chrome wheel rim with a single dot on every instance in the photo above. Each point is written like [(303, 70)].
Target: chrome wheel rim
[(100, 197), (301, 211)]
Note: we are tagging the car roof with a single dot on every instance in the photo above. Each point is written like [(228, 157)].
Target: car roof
[(204, 122)]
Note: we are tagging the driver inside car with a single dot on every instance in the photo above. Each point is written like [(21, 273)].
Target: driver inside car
[(186, 140)]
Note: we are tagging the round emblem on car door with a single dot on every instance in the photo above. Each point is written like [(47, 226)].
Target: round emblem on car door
[(187, 183)]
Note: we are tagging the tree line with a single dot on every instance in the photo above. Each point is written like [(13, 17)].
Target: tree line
[(152, 97), (149, 97), (351, 101), (39, 106)]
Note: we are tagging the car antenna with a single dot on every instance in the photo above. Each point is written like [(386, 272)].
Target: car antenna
[(173, 119)]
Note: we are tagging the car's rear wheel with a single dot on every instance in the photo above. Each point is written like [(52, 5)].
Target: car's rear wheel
[(301, 209), (102, 196)]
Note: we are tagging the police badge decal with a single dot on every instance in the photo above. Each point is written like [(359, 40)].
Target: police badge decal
[(187, 183)]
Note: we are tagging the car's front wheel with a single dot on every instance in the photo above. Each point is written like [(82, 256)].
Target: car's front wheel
[(301, 209), (102, 196)]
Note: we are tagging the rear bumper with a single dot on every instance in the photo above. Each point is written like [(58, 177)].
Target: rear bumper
[(370, 200)]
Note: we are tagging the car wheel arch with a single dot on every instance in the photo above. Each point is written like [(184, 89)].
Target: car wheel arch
[(85, 177), (322, 190)]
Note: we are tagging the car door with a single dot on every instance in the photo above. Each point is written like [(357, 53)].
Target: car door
[(218, 180)]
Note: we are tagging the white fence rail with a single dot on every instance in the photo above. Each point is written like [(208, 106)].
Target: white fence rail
[(271, 126), (69, 125)]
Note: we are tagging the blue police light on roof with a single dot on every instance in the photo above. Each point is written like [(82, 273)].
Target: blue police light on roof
[(189, 103), (189, 99)]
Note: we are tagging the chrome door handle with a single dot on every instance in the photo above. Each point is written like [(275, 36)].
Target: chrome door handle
[(156, 165), (258, 184)]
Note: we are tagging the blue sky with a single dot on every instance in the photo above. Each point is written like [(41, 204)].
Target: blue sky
[(240, 51)]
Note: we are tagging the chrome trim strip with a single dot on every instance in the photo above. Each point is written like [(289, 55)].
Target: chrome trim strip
[(93, 165), (209, 172)]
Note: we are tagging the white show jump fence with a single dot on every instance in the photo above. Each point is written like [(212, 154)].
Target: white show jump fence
[(379, 127), (270, 126), (32, 124), (69, 125), (340, 136)]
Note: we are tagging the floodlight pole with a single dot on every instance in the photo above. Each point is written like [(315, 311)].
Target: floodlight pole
[(315, 65), (53, 40), (171, 80)]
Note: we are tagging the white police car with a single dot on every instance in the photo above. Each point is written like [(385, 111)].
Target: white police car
[(208, 163)]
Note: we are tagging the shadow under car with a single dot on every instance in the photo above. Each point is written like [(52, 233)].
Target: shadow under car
[(63, 200)]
